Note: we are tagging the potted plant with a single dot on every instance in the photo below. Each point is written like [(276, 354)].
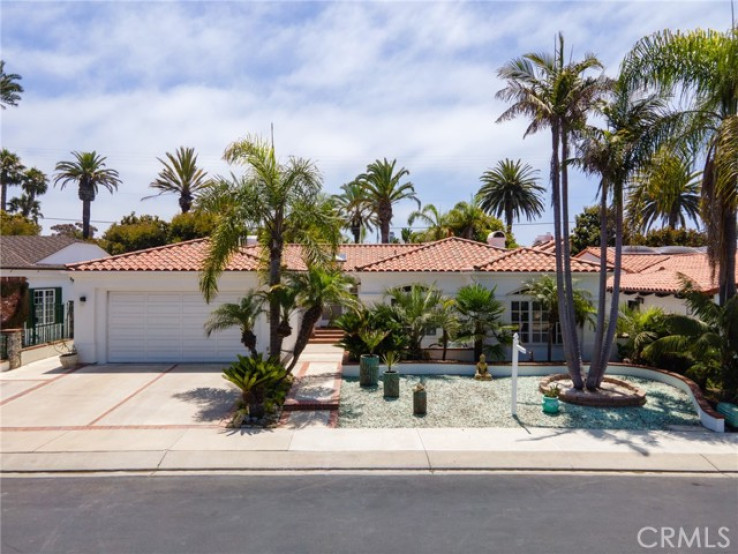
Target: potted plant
[(551, 400), (420, 399), (68, 356), (391, 377), (369, 363)]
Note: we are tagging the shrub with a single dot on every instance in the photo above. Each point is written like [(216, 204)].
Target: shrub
[(260, 381)]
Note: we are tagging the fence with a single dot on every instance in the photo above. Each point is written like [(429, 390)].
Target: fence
[(44, 333)]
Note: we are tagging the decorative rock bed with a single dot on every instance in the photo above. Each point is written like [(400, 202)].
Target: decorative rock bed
[(613, 393)]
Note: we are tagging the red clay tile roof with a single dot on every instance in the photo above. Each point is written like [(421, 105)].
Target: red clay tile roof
[(449, 254), (24, 252), (664, 276), (548, 246), (632, 263), (181, 256), (533, 260)]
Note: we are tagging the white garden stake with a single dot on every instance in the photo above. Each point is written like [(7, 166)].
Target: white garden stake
[(516, 350)]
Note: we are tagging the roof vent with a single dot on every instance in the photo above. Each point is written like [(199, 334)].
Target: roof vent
[(496, 239)]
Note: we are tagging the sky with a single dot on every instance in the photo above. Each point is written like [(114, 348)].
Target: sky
[(343, 83)]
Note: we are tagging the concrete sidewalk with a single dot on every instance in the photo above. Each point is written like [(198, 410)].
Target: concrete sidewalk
[(367, 449)]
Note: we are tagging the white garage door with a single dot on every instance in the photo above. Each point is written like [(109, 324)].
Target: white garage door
[(166, 327)]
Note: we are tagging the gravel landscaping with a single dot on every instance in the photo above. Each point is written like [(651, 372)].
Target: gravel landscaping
[(457, 401)]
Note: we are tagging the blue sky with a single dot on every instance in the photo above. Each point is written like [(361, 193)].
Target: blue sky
[(343, 82)]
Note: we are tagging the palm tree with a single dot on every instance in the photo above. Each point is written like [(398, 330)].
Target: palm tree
[(26, 205), (10, 90), (315, 289), (282, 200), (446, 317), (703, 66), (89, 172), (416, 309), (543, 291), (709, 337), (355, 208), (635, 125), (242, 315), (11, 173), (667, 190), (467, 220), (383, 189), (639, 328), (480, 316), (556, 95), (434, 219), (510, 189), (180, 176)]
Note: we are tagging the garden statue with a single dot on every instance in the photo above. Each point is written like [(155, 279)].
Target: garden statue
[(482, 373)]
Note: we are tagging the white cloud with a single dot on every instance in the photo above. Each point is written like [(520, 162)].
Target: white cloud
[(344, 83)]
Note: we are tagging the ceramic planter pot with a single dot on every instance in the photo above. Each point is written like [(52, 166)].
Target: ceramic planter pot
[(420, 402), (68, 361), (391, 384), (368, 370), (550, 405)]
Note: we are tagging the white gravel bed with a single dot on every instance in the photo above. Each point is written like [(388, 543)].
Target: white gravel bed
[(458, 401)]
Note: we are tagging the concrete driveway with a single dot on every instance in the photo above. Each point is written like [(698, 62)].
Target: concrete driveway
[(42, 395)]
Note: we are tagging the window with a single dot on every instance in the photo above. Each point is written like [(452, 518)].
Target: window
[(532, 322), (44, 306)]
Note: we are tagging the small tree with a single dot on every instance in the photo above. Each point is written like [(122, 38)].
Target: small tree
[(242, 315), (480, 316), (416, 308)]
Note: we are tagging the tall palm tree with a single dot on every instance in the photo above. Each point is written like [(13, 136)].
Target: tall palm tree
[(11, 173), (89, 172), (510, 190), (384, 189), (282, 200), (317, 288), (559, 96), (355, 209), (635, 125), (434, 219), (703, 66), (10, 90), (543, 291), (667, 190), (180, 176), (242, 315)]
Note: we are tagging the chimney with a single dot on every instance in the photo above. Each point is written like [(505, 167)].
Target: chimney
[(496, 239)]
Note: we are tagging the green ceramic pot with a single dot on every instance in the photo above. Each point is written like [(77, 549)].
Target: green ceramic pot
[(391, 384), (550, 405), (368, 370)]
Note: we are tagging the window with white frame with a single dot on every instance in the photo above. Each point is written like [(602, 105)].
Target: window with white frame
[(44, 305), (531, 319)]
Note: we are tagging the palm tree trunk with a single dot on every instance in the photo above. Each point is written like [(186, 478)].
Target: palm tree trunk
[(356, 231), (508, 220), (596, 360), (385, 217), (275, 279), (86, 219), (575, 375), (309, 319), (575, 364), (4, 197), (727, 259), (594, 379)]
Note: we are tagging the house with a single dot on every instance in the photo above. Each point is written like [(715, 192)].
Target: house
[(146, 306), (653, 276), (40, 262)]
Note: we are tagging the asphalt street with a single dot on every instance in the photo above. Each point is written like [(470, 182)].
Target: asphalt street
[(370, 513)]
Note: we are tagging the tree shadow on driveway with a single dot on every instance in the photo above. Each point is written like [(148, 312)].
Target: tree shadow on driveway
[(215, 404)]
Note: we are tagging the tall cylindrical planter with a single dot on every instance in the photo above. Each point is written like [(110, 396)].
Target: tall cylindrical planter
[(420, 402), (391, 384), (368, 370)]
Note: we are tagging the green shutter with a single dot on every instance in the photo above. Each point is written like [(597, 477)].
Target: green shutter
[(32, 308), (59, 306)]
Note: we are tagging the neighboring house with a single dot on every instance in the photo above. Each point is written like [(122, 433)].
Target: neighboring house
[(41, 261), (653, 276), (146, 306)]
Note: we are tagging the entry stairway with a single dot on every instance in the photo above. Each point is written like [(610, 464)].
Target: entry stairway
[(326, 336)]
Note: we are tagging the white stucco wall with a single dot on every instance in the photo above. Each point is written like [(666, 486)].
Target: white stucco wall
[(91, 316), (76, 252), (373, 286), (45, 278)]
